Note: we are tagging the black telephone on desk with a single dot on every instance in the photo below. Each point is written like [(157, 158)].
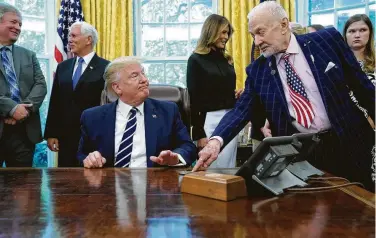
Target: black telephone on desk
[(268, 165)]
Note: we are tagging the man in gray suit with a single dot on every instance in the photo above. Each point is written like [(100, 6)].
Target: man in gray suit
[(22, 90)]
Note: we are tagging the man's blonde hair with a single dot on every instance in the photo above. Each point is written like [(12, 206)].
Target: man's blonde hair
[(112, 73)]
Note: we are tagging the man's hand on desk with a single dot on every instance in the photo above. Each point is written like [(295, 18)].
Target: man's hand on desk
[(94, 160), (166, 157), (208, 154)]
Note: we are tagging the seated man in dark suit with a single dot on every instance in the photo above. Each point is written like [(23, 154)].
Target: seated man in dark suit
[(133, 131)]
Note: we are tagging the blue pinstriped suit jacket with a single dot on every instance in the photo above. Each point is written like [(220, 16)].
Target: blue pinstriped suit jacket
[(264, 97)]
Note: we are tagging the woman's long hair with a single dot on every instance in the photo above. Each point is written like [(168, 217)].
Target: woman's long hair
[(210, 32), (369, 52)]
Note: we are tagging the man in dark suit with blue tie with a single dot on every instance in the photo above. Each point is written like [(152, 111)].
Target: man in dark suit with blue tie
[(134, 130), (22, 90), (301, 84), (77, 86)]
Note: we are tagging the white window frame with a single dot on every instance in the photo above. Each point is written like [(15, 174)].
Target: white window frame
[(303, 13), (165, 59), (51, 28)]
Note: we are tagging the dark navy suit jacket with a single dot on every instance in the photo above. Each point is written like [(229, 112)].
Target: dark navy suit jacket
[(264, 95), (67, 104), (164, 130)]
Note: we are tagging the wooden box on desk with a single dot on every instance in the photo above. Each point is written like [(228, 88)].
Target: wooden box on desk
[(213, 185)]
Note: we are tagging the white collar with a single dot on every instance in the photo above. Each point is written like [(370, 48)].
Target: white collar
[(87, 58), (125, 108), (293, 48)]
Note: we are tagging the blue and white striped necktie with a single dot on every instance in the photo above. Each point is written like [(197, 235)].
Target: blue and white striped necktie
[(10, 76), (123, 156)]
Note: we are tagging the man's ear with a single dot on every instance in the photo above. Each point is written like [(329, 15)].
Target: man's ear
[(285, 25), (89, 40), (116, 88)]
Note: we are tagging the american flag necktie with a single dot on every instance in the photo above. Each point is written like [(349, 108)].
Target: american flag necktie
[(10, 76), (123, 156), (300, 102)]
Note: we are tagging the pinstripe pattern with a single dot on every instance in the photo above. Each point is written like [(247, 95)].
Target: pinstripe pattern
[(264, 95)]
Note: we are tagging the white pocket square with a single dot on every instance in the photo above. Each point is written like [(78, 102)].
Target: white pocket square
[(330, 65)]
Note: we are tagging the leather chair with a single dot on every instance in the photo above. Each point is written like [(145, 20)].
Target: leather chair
[(166, 92), (174, 94)]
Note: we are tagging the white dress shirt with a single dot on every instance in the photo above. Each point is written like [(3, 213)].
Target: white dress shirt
[(87, 58), (138, 155)]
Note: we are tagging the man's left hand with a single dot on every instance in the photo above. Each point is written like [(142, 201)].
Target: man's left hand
[(266, 129), (166, 157)]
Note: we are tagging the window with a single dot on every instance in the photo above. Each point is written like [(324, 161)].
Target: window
[(37, 35), (336, 12), (166, 34)]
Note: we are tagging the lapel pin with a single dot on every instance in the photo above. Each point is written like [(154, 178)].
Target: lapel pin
[(154, 116), (273, 72), (313, 59), (91, 67)]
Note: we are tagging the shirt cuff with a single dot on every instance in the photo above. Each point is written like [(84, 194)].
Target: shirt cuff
[(12, 111), (182, 161), (217, 138)]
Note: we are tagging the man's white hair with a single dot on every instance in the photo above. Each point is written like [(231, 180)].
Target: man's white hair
[(87, 30), (268, 8), (112, 73)]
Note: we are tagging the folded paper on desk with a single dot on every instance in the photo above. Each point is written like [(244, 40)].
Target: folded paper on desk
[(213, 185)]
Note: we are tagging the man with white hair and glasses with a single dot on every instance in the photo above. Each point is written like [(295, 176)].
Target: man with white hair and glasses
[(301, 84), (77, 86)]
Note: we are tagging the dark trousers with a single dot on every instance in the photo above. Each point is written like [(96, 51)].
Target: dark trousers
[(349, 160), (68, 152), (16, 150)]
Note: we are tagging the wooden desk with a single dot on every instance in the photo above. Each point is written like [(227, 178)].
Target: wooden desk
[(147, 202)]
